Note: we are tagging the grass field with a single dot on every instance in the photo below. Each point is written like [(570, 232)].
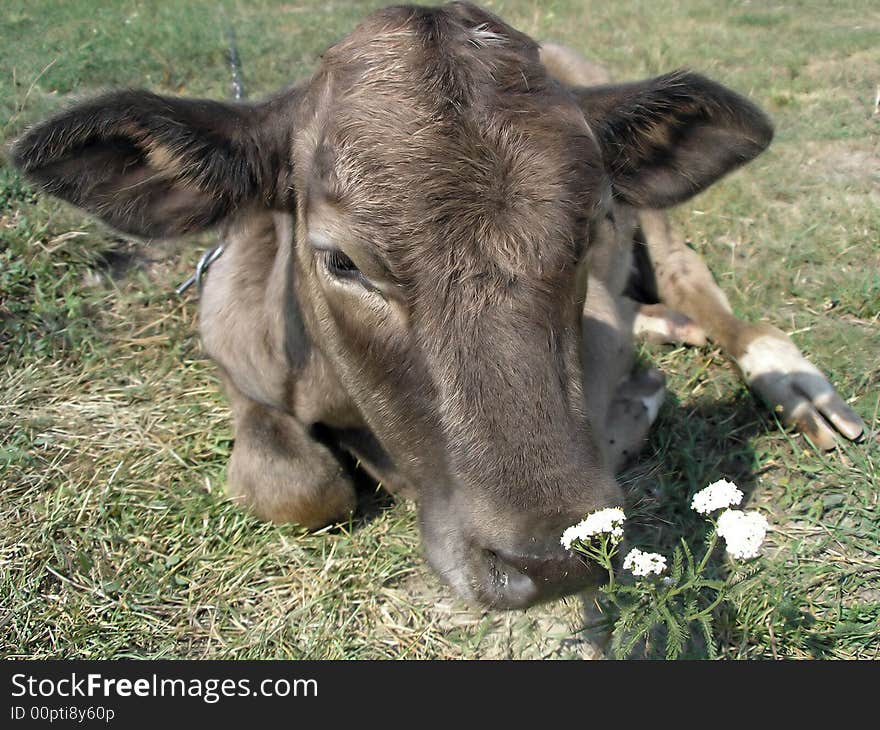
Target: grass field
[(115, 537)]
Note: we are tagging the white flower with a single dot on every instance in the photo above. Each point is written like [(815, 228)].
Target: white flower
[(717, 495), (605, 521), (642, 563), (743, 531)]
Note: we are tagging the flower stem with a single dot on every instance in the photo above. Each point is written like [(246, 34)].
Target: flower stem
[(713, 541)]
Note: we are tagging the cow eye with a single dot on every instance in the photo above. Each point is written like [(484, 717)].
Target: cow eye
[(340, 265)]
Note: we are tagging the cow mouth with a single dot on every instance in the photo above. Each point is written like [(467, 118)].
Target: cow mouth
[(516, 574)]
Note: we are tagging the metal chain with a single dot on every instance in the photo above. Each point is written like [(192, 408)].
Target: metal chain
[(214, 253)]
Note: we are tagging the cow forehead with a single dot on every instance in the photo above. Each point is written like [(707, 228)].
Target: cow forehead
[(462, 144)]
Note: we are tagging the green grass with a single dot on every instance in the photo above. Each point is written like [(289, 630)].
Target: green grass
[(115, 536)]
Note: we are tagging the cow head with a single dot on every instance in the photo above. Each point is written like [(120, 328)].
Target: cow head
[(445, 192)]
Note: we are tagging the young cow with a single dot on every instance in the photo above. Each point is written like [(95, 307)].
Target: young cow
[(427, 249)]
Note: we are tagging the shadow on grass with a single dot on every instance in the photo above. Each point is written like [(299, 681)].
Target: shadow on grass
[(373, 499), (690, 447)]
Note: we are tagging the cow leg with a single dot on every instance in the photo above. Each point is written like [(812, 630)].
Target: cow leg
[(631, 414), (770, 362), (280, 472), (569, 67), (621, 406), (607, 349)]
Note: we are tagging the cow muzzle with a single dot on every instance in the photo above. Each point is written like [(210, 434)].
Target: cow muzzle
[(508, 569)]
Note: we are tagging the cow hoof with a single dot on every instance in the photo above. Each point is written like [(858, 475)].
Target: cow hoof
[(774, 368), (634, 409), (647, 387)]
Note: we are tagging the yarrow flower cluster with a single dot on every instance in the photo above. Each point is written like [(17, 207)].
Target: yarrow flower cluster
[(606, 521), (744, 532), (689, 593), (641, 563), (717, 495)]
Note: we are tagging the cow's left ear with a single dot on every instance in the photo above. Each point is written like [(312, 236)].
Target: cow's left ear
[(666, 139), (161, 166)]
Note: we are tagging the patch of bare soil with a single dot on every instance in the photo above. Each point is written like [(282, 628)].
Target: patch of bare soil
[(864, 63), (845, 162), (551, 631)]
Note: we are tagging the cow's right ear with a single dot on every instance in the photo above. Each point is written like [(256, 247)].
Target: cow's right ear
[(157, 166)]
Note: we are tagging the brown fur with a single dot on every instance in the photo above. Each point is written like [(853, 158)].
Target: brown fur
[(429, 247)]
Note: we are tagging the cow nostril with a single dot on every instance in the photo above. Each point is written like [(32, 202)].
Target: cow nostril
[(513, 579), (543, 569), (514, 587), (498, 572), (503, 560)]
